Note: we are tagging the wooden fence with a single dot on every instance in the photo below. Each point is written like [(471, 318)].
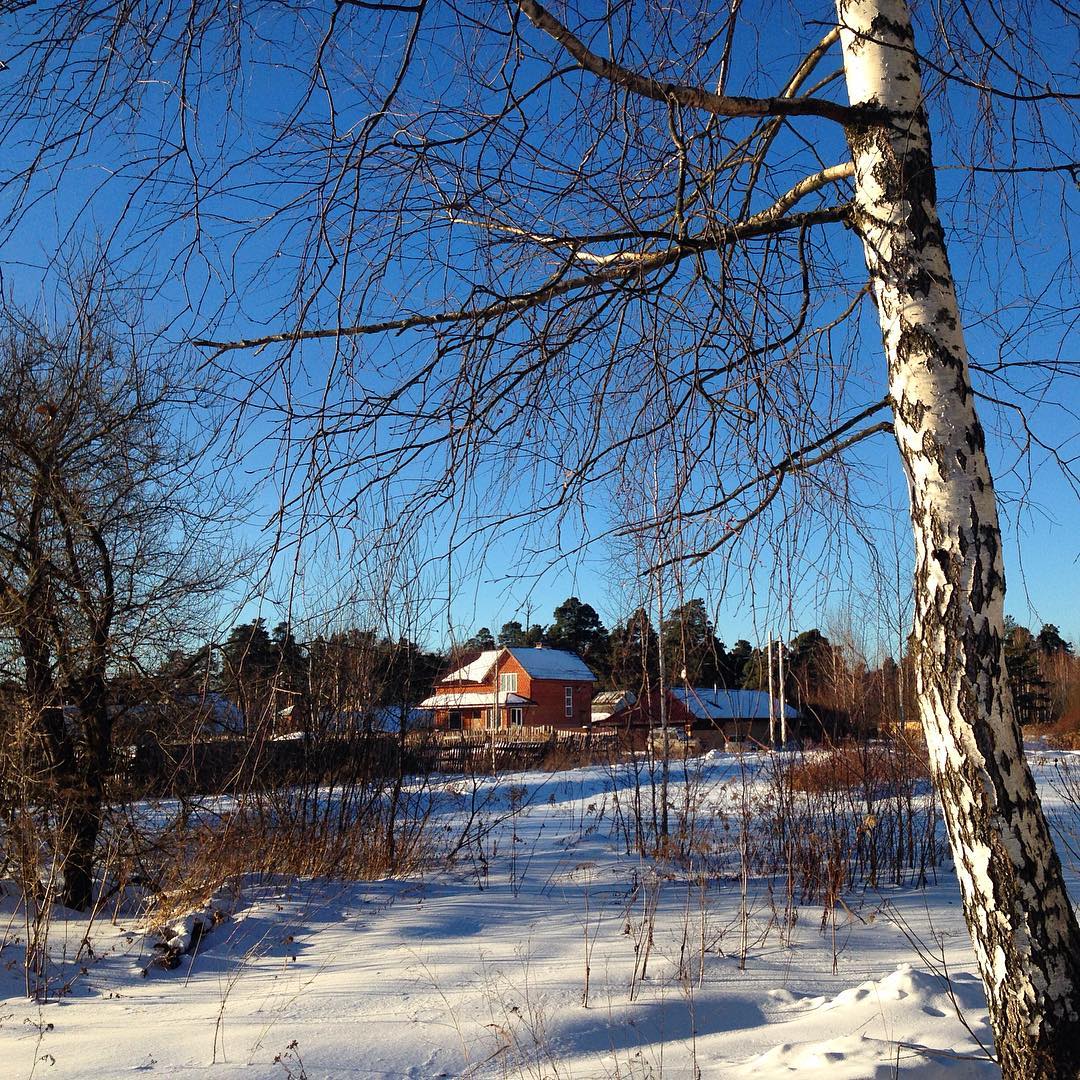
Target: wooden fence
[(213, 766), (490, 751), (234, 765)]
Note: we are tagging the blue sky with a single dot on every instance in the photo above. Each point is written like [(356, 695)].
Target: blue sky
[(184, 268), (1042, 572)]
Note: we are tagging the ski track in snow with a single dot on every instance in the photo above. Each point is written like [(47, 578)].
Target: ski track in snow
[(468, 973)]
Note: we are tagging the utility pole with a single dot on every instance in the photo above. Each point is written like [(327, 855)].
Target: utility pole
[(493, 726), (772, 703), (658, 582), (783, 702), (664, 761)]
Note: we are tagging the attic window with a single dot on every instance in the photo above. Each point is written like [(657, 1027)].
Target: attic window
[(508, 682)]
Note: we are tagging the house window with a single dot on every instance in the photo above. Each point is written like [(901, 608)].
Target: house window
[(517, 716), (453, 720), (508, 682), (569, 696), (491, 719)]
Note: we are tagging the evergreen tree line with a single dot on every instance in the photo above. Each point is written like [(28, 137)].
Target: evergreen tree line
[(834, 686), (267, 673), (1044, 675)]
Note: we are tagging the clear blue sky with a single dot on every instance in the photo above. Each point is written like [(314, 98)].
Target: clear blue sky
[(522, 576)]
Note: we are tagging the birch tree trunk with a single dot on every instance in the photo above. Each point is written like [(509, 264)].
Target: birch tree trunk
[(1025, 933)]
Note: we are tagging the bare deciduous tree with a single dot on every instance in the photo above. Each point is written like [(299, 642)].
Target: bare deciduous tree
[(103, 552)]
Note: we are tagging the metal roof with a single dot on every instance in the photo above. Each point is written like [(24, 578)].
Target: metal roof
[(538, 663), (714, 704)]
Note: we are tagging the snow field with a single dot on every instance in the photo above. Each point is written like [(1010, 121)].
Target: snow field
[(479, 969)]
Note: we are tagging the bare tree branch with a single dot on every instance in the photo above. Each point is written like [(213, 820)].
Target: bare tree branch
[(693, 97)]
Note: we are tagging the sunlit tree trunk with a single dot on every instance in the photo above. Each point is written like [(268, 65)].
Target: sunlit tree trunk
[(1027, 943)]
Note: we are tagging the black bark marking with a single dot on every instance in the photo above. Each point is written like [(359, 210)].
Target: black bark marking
[(975, 437), (944, 560), (946, 318), (932, 451)]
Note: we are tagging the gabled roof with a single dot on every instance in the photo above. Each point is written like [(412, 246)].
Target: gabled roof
[(552, 664), (712, 704), (538, 663), (476, 671)]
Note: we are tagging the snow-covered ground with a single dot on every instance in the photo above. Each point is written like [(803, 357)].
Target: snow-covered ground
[(479, 970)]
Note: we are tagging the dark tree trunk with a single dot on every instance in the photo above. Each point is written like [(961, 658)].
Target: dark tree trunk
[(84, 795), (80, 835)]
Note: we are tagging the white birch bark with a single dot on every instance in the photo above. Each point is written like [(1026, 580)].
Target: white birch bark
[(1023, 927)]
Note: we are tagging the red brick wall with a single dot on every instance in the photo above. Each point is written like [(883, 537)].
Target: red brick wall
[(549, 695), (550, 703)]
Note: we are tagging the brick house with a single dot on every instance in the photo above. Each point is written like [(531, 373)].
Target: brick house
[(508, 689)]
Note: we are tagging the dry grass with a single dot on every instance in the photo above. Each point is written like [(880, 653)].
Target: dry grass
[(198, 861), (1064, 734), (873, 768), (855, 815)]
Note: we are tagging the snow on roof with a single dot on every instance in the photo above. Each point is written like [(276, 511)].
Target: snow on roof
[(389, 717), (538, 663), (552, 664), (604, 718), (383, 718), (449, 699), (613, 697), (477, 671), (712, 704), (224, 718)]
